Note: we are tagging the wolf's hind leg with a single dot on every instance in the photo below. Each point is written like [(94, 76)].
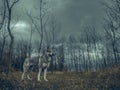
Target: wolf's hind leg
[(25, 69), (29, 72), (23, 74)]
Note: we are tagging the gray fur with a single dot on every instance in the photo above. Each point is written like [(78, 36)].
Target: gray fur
[(43, 62)]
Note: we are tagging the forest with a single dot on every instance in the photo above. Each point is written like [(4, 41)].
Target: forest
[(89, 56)]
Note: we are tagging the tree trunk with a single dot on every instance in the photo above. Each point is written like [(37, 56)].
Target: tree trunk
[(10, 51), (2, 49)]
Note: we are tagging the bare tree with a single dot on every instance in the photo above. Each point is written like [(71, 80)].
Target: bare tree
[(4, 35), (32, 24), (2, 13), (91, 46), (52, 35), (112, 26), (9, 6), (39, 21), (30, 40)]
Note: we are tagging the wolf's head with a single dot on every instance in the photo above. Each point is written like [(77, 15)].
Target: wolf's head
[(50, 52)]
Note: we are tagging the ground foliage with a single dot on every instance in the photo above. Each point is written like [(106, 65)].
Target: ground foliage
[(108, 79)]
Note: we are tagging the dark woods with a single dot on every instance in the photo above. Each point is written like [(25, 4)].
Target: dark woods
[(91, 50)]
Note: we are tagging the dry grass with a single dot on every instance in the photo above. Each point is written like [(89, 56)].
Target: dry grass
[(100, 80)]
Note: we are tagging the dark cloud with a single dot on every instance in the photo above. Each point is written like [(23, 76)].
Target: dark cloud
[(73, 14)]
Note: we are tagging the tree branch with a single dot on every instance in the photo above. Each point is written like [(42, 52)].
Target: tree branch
[(3, 19), (16, 1)]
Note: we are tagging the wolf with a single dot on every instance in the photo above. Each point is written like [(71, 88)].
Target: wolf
[(40, 60)]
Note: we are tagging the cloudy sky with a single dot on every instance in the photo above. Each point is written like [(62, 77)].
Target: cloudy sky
[(73, 14)]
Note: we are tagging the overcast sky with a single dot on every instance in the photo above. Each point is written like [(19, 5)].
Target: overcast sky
[(73, 14)]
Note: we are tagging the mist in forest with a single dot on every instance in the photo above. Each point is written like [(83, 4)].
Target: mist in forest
[(83, 33)]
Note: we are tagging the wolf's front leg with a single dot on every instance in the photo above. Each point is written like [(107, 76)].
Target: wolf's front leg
[(28, 76), (22, 77), (40, 69), (25, 68), (45, 72)]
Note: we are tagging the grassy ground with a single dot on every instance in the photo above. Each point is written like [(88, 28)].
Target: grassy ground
[(108, 79)]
